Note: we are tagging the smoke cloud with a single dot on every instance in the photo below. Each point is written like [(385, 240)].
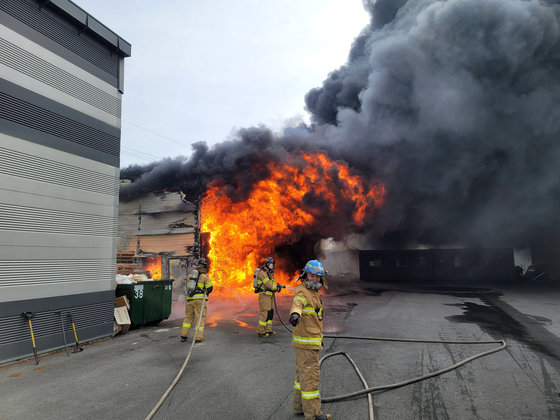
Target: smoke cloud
[(453, 105)]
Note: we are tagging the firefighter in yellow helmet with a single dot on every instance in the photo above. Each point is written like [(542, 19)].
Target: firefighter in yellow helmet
[(266, 287), (307, 318), (197, 284)]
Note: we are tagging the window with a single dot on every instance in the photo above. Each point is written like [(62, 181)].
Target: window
[(375, 262), (457, 261), (400, 262), (482, 259)]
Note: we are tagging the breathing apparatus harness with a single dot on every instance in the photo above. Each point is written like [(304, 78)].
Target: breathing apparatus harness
[(256, 285), (192, 284), (192, 288), (268, 267)]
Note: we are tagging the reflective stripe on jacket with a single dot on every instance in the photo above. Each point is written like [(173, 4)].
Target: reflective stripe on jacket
[(308, 333), (266, 283), (202, 284)]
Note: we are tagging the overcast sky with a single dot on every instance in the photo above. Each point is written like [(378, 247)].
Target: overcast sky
[(201, 69)]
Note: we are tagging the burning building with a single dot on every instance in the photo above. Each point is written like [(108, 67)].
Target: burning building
[(157, 233), (61, 84), (284, 215), (444, 117)]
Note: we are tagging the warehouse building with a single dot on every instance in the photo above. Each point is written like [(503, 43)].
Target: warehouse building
[(158, 233), (61, 83)]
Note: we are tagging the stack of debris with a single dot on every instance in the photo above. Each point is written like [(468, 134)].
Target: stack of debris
[(122, 319)]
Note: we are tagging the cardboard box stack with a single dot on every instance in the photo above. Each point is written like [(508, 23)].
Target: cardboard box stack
[(122, 320)]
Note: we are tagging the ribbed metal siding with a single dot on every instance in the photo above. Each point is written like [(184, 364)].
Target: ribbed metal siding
[(25, 166), (59, 271), (39, 219), (24, 113), (32, 16), (16, 329), (33, 66), (58, 222)]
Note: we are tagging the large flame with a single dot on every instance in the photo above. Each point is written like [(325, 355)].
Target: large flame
[(242, 234)]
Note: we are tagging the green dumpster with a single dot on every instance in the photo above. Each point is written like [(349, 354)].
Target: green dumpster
[(150, 301)]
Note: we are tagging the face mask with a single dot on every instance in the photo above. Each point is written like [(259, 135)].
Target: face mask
[(313, 284), (271, 267)]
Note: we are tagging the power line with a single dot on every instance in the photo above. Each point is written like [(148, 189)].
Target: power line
[(157, 134), (139, 154)]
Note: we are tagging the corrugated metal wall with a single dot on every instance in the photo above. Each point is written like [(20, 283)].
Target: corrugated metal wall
[(64, 33), (60, 108)]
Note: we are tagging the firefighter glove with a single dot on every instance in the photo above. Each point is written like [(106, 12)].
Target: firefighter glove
[(294, 319), (278, 288)]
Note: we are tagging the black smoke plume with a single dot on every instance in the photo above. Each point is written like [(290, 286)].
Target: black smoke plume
[(454, 105)]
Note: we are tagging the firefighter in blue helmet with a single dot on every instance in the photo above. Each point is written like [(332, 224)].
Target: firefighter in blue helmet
[(307, 318), (266, 287)]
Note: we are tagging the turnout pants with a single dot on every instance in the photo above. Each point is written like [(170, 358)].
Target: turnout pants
[(267, 313), (306, 387), (193, 308)]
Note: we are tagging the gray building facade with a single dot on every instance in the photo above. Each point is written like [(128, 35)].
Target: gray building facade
[(61, 82)]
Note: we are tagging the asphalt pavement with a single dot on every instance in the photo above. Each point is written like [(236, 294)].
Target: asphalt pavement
[(234, 374)]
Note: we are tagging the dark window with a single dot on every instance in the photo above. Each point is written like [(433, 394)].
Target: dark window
[(444, 261), (400, 262), (457, 261), (375, 262)]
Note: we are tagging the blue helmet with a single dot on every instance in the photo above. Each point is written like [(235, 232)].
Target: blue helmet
[(314, 267)]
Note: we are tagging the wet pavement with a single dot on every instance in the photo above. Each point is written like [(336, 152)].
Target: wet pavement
[(234, 374)]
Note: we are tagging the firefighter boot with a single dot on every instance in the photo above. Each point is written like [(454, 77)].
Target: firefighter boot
[(324, 417)]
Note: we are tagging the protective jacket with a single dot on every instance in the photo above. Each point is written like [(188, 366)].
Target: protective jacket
[(266, 287), (203, 284), (195, 306), (308, 333), (266, 283)]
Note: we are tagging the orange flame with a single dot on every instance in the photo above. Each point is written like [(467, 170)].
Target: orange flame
[(153, 265), (242, 234)]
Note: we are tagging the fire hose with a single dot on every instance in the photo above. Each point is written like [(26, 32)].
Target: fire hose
[(368, 390), (166, 393)]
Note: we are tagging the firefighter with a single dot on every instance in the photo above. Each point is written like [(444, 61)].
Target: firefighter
[(306, 315), (266, 287), (195, 304)]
